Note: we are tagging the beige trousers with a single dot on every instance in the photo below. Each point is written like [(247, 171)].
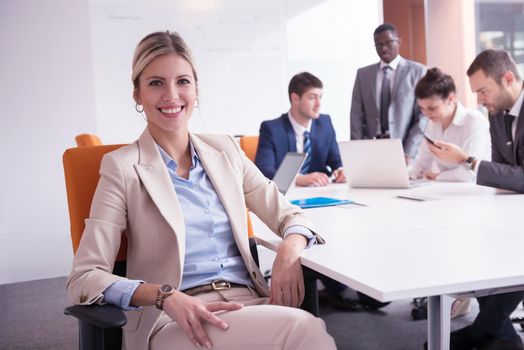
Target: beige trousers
[(256, 326)]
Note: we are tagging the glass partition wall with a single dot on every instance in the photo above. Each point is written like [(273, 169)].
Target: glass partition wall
[(500, 25)]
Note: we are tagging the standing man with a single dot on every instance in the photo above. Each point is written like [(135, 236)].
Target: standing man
[(302, 129), (493, 76), (383, 104)]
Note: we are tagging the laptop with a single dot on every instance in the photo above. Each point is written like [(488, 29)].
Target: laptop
[(377, 163), (288, 169)]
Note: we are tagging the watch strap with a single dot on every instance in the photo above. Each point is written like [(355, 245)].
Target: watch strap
[(164, 292), (470, 162)]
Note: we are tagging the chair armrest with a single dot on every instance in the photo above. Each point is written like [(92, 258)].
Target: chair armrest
[(103, 316)]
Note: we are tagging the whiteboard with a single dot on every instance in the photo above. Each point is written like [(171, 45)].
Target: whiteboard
[(246, 51)]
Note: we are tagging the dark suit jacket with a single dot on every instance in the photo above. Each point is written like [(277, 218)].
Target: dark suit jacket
[(405, 120), (506, 169), (277, 138)]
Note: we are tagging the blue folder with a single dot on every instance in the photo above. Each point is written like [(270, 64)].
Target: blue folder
[(316, 202)]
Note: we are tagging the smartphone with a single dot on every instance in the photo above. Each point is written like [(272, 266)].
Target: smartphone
[(431, 141)]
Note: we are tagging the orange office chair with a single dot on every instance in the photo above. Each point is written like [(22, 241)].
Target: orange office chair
[(83, 140), (99, 325), (249, 145)]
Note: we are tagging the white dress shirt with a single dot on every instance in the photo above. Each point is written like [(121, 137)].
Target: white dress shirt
[(299, 132), (380, 76), (470, 131)]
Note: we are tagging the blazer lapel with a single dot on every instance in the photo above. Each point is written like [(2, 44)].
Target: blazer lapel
[(314, 136), (220, 172), (519, 135), (291, 140), (373, 84), (399, 78), (153, 173)]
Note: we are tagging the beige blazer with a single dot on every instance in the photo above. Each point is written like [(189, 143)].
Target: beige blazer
[(135, 196)]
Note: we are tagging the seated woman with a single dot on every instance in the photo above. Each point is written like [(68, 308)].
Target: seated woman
[(180, 198), (449, 123)]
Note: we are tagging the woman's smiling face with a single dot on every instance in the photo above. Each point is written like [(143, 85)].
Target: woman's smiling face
[(168, 91)]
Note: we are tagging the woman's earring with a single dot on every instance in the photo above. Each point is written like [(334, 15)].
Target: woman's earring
[(196, 103), (139, 108)]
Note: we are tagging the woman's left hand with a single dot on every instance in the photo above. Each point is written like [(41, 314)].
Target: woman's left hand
[(287, 281)]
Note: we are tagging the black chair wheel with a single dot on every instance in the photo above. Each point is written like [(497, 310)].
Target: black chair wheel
[(419, 313)]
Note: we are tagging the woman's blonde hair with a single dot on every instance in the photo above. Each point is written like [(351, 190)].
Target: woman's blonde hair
[(157, 44)]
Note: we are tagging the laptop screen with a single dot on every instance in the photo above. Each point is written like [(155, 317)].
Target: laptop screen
[(375, 163), (287, 170)]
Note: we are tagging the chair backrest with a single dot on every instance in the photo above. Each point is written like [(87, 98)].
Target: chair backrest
[(81, 170), (83, 140), (249, 145), (81, 167)]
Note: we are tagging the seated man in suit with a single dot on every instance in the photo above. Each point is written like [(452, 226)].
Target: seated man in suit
[(302, 129), (494, 77), (383, 103)]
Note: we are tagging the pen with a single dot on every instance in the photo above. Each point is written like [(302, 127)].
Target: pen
[(412, 198)]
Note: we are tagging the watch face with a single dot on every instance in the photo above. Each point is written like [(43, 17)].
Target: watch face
[(166, 288)]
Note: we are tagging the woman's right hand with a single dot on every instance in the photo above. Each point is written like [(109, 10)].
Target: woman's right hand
[(191, 313)]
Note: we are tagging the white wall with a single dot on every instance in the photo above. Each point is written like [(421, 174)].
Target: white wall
[(65, 70), (246, 52), (46, 93), (455, 19)]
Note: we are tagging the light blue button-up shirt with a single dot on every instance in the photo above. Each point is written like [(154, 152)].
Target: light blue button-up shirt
[(211, 252)]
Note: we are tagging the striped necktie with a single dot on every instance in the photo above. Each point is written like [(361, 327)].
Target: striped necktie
[(307, 149)]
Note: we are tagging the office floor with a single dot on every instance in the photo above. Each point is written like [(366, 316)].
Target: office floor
[(32, 318)]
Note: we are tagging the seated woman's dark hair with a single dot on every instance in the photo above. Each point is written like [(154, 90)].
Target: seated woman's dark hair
[(435, 83)]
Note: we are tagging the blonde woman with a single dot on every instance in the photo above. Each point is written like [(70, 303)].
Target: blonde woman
[(181, 200)]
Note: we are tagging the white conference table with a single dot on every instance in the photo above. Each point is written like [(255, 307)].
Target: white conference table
[(462, 240)]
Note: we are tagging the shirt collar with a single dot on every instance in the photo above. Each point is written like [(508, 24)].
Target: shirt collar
[(298, 128), (459, 118), (393, 64), (515, 110), (171, 163)]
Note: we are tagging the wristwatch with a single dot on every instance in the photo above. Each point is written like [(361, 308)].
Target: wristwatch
[(164, 291), (469, 162)]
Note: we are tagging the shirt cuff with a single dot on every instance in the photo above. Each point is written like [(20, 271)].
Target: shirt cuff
[(120, 292), (301, 230), (476, 168)]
